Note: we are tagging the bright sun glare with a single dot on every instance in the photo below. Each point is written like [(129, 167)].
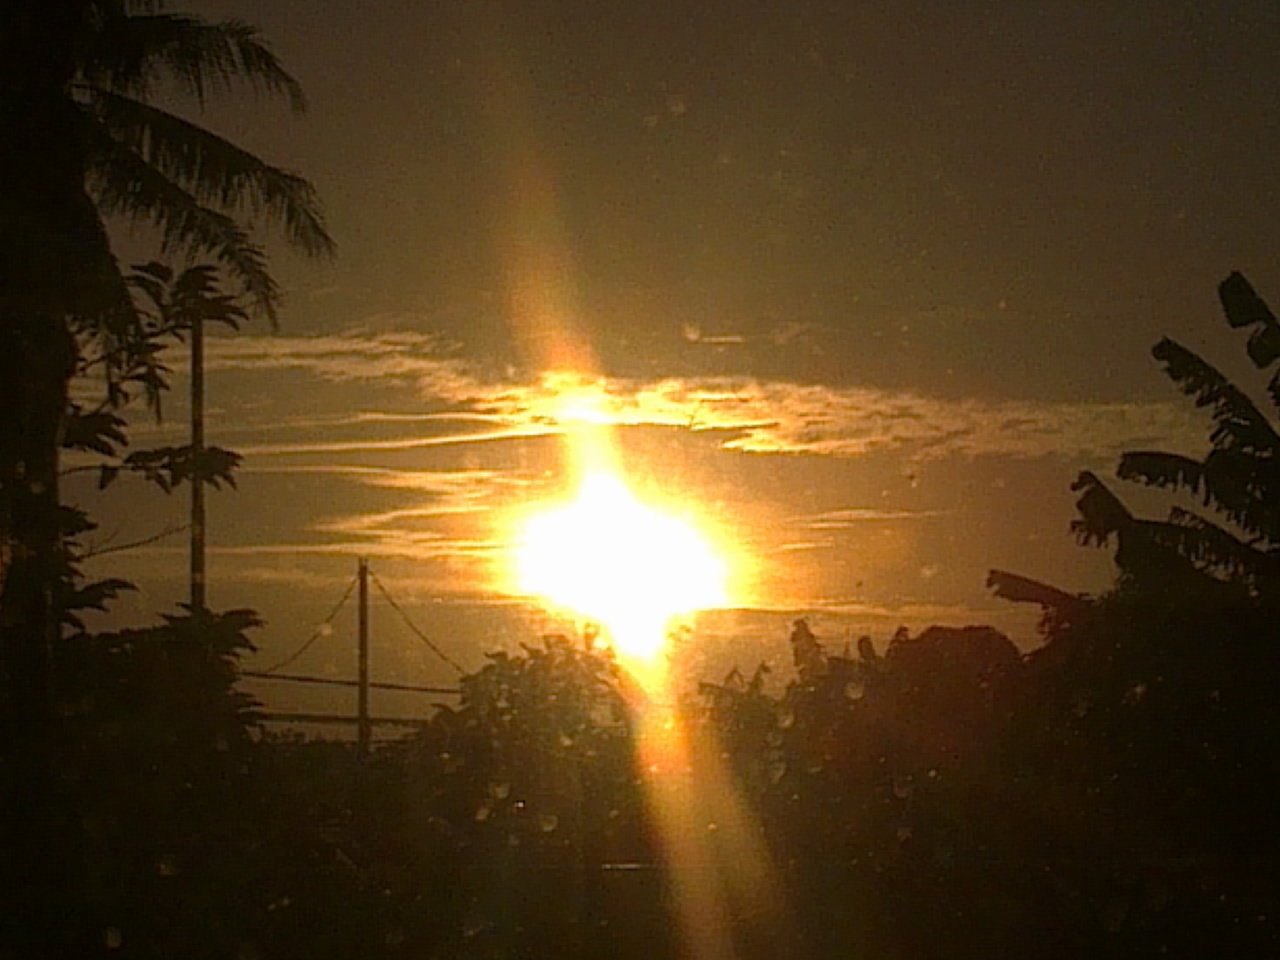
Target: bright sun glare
[(627, 566)]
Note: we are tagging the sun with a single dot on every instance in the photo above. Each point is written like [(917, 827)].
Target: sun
[(628, 566)]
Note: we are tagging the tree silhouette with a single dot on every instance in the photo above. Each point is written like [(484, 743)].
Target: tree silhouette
[(1142, 729), (157, 754), (1238, 480), (83, 141)]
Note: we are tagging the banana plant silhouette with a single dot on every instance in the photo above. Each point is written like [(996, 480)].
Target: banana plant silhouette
[(1238, 480)]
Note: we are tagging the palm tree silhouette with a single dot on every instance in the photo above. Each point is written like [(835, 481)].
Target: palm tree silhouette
[(81, 141)]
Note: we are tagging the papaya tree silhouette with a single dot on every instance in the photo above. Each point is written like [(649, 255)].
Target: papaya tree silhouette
[(173, 307)]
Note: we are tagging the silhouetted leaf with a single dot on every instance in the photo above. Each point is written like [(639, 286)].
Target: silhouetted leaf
[(1264, 346), (1241, 303), (1238, 423), (1102, 514), (1165, 470), (97, 432)]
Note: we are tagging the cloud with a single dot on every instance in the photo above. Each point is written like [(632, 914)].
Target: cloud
[(417, 442), (692, 333), (467, 487), (353, 355), (853, 516), (804, 545), (755, 415)]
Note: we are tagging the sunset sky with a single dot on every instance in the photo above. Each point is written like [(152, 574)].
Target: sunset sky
[(862, 286)]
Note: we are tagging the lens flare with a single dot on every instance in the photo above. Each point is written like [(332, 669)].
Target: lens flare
[(628, 566)]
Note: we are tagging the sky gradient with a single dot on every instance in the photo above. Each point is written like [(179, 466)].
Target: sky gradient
[(863, 285)]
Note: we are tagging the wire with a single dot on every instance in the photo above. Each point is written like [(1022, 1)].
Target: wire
[(338, 682), (410, 624), (94, 553), (319, 632)]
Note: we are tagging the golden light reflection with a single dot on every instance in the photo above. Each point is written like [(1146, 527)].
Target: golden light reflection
[(631, 566), (722, 878), (628, 566)]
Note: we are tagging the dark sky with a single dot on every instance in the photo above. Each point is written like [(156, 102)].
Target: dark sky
[(741, 166), (870, 282)]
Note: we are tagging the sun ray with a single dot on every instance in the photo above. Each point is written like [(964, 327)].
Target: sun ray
[(627, 564)]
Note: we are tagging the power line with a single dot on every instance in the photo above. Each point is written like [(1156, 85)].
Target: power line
[(319, 632), (338, 682), (94, 553), (410, 624), (280, 716)]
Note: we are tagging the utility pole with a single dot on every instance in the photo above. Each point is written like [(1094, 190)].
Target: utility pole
[(363, 727), (197, 454)]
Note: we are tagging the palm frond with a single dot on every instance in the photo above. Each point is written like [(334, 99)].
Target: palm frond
[(152, 281), (1244, 308), (213, 170), (1019, 589), (103, 318), (1246, 490), (1210, 548), (1238, 424), (1241, 303), (130, 54), (197, 295), (1240, 486), (1154, 468), (1273, 389), (1102, 514), (175, 302), (126, 185)]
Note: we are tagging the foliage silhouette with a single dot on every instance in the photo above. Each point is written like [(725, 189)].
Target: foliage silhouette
[(1239, 479), (80, 141), (176, 301), (83, 141), (158, 744), (1144, 721)]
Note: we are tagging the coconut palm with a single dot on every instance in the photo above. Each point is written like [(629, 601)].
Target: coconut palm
[(82, 141)]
